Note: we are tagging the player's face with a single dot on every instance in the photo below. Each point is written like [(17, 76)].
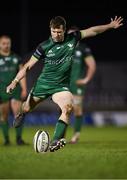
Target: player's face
[(57, 34), (5, 44)]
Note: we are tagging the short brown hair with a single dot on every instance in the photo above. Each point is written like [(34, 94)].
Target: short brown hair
[(57, 21), (5, 36)]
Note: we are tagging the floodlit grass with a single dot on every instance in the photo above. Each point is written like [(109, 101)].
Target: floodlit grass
[(100, 153)]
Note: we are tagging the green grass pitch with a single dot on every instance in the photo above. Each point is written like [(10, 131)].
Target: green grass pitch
[(101, 153)]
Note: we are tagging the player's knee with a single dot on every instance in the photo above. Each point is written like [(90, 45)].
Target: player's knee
[(68, 109)]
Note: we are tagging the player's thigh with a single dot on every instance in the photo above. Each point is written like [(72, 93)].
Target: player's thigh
[(15, 106), (4, 111), (77, 104), (63, 99)]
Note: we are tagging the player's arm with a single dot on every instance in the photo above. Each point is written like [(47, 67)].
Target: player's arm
[(22, 73), (23, 84), (91, 68), (95, 30)]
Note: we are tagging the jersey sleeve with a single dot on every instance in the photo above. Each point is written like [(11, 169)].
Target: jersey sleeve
[(38, 53)]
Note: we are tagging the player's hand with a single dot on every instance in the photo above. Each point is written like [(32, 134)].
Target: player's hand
[(82, 82), (23, 94), (10, 88), (116, 22)]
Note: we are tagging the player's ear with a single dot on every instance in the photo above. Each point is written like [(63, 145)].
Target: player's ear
[(64, 29)]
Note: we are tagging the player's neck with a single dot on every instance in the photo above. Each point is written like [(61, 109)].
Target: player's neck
[(3, 53)]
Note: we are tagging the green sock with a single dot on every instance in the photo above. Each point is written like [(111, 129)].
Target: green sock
[(78, 123), (19, 132), (5, 130), (60, 130)]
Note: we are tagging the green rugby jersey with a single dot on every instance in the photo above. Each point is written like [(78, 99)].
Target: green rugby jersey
[(9, 66), (78, 65), (57, 57)]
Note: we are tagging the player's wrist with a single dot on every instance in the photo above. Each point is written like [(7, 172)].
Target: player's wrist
[(110, 25), (15, 81), (86, 80)]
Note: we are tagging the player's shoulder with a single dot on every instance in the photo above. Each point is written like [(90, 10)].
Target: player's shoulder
[(45, 43), (74, 33)]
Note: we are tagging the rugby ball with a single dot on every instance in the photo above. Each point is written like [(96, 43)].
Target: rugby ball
[(41, 141)]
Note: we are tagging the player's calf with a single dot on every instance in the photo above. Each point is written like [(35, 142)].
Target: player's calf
[(19, 120), (66, 112)]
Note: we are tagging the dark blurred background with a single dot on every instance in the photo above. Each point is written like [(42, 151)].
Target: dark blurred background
[(27, 22)]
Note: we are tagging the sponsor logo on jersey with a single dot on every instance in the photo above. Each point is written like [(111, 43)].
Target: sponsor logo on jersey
[(58, 47), (58, 61), (2, 62), (70, 45), (7, 58), (65, 88), (50, 53), (15, 60)]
